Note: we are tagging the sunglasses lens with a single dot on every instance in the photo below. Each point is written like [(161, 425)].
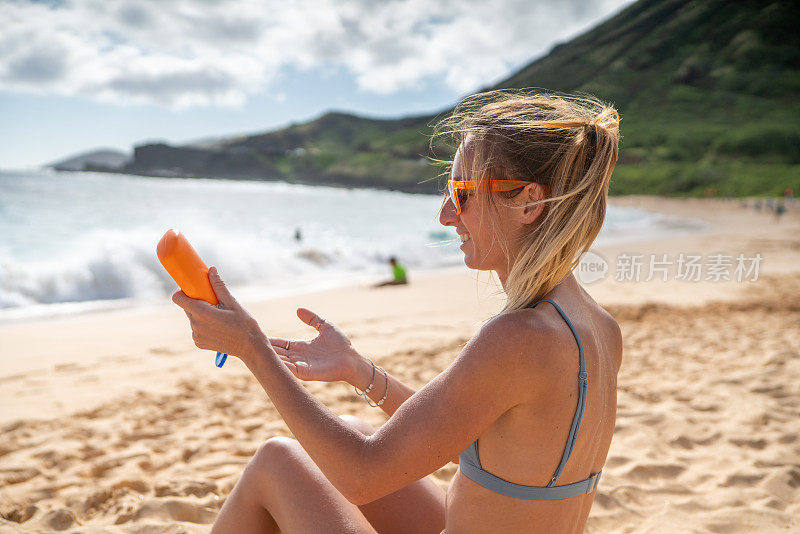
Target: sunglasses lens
[(459, 196), (451, 194)]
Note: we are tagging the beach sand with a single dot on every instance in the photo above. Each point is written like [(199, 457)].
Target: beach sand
[(115, 422)]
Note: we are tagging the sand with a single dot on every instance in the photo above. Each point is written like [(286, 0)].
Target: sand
[(114, 422)]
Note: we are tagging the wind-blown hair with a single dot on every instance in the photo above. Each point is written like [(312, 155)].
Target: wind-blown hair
[(569, 145)]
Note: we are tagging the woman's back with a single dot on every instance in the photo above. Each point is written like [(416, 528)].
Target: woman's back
[(525, 445)]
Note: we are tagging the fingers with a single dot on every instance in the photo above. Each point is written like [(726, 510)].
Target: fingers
[(310, 318), (307, 316), (292, 367), (280, 345), (188, 304), (296, 371), (300, 369), (220, 289)]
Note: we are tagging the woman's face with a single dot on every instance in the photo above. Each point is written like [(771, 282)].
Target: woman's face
[(480, 245)]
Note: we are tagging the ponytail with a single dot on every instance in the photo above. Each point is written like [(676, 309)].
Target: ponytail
[(566, 144)]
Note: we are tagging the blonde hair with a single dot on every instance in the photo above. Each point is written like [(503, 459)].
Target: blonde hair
[(569, 145)]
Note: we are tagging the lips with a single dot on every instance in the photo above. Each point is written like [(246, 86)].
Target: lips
[(464, 237)]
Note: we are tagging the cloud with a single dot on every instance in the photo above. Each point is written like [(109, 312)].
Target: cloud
[(37, 66), (200, 52)]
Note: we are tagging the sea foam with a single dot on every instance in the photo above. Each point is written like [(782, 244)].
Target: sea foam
[(90, 238)]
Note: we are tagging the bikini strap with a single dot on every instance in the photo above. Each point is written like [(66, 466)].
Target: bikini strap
[(583, 385)]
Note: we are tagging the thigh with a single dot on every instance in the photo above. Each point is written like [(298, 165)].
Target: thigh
[(299, 497), (418, 507)]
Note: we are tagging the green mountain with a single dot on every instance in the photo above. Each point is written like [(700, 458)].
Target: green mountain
[(707, 89), (104, 157), (335, 149)]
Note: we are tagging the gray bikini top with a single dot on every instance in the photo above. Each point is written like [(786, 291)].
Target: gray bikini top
[(470, 465)]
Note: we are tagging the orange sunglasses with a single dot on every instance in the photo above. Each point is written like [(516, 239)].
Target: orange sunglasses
[(458, 190)]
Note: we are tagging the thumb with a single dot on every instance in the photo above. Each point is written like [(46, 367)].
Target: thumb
[(307, 316), (220, 289)]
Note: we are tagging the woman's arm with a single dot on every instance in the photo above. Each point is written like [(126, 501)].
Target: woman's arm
[(398, 391), (432, 426), (490, 376)]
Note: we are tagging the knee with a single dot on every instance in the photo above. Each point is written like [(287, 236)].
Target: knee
[(280, 452), (359, 424), (273, 454)]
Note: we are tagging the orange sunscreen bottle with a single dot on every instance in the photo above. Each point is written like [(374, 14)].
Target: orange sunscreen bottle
[(184, 265)]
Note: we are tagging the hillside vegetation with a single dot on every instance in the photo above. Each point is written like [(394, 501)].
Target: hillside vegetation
[(707, 89)]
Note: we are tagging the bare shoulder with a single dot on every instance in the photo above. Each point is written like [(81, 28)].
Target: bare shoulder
[(612, 334), (528, 345), (617, 340), (516, 332)]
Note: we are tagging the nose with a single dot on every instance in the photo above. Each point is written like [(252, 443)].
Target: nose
[(447, 213)]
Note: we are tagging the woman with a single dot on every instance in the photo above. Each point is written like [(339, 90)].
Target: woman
[(528, 406)]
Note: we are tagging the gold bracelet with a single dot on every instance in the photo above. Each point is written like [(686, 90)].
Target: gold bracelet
[(386, 393), (372, 383)]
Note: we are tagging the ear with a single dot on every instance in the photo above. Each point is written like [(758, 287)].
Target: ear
[(532, 194)]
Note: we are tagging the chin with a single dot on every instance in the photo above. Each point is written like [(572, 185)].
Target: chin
[(470, 262)]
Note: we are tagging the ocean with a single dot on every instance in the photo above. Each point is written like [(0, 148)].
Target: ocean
[(77, 241)]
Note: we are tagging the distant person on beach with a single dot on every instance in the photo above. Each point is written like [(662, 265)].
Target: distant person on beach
[(298, 235), (398, 274), (527, 408), (780, 209)]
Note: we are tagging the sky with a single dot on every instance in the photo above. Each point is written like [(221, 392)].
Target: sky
[(76, 75)]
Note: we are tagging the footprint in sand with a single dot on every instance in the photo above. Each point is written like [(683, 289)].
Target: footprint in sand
[(170, 510), (163, 351), (616, 461), (682, 442), (751, 443), (17, 513), (67, 367), (704, 407), (776, 392), (784, 483), (17, 475), (645, 473), (58, 519), (691, 507), (713, 438), (134, 484), (744, 480), (52, 459), (184, 488)]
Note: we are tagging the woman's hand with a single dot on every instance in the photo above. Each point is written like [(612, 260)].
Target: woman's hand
[(226, 327), (328, 357)]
